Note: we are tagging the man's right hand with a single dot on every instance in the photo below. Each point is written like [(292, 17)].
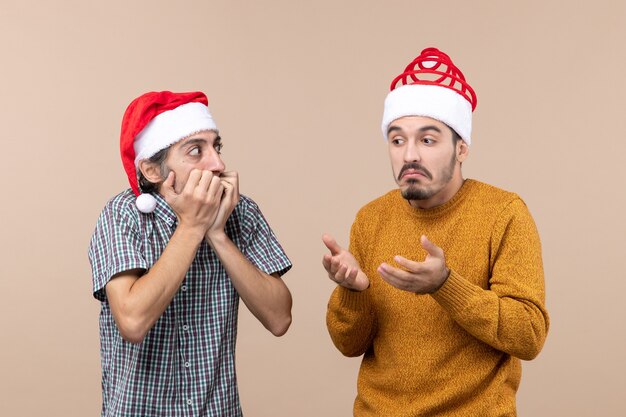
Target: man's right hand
[(198, 203), (342, 267)]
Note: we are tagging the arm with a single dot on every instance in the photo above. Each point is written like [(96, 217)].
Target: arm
[(266, 296), (350, 316), (137, 301), (510, 315), (351, 321)]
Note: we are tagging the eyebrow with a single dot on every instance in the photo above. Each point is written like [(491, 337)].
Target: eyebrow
[(195, 141), (421, 129)]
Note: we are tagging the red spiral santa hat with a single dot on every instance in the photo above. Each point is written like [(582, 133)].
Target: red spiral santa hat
[(432, 86), (154, 121)]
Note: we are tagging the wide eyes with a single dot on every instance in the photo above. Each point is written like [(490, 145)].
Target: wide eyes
[(397, 141), (197, 150)]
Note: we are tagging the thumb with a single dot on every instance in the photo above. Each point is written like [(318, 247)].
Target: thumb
[(430, 247), (167, 188), (331, 244)]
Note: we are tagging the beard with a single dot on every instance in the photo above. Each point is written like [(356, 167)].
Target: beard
[(416, 192)]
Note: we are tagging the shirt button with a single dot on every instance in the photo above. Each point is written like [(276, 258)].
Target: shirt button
[(184, 288), (187, 365), (185, 327), (189, 402)]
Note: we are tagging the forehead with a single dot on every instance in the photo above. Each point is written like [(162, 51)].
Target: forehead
[(205, 136), (411, 123)]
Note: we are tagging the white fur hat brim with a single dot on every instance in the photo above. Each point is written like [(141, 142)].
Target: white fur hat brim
[(170, 127), (437, 102)]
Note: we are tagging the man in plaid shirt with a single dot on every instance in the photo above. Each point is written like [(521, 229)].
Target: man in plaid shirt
[(170, 258)]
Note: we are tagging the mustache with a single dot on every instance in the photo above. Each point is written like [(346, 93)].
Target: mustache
[(417, 167)]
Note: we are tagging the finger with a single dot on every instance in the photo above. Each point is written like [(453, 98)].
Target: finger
[(192, 181), (216, 189), (386, 277), (230, 176), (326, 262), (397, 274), (331, 244), (167, 188), (340, 276), (391, 279), (351, 274), (233, 182), (334, 265), (205, 180), (412, 266), (430, 247), (228, 188)]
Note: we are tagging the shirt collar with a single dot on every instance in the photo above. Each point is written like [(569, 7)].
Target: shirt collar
[(163, 210)]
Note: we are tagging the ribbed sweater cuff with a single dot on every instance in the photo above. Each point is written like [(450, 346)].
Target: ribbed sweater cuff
[(455, 294), (353, 300)]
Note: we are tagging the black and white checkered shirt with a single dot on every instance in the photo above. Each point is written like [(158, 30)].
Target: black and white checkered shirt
[(185, 365)]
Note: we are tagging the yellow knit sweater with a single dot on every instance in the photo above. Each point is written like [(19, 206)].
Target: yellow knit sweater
[(455, 352)]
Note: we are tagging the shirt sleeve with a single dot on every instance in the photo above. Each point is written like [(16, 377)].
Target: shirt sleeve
[(115, 247), (261, 246)]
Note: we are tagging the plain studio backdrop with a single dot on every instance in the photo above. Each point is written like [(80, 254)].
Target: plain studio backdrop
[(297, 90)]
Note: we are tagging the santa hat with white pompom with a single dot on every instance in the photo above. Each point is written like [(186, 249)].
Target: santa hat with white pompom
[(432, 86), (155, 121)]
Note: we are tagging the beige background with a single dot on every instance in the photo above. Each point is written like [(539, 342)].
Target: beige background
[(297, 90)]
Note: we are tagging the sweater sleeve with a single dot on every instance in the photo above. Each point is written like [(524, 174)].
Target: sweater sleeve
[(510, 315), (350, 316)]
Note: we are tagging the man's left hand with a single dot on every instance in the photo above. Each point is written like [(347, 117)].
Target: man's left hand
[(230, 198), (418, 277)]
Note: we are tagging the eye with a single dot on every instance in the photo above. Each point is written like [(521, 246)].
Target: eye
[(218, 147), (195, 151), (397, 141), (428, 141)]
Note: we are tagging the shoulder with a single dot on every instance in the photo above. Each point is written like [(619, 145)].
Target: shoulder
[(381, 205), (247, 207), (124, 201), (247, 215), (121, 206), (491, 196), (500, 205), (247, 203)]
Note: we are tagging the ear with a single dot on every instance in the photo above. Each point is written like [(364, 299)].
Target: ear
[(152, 172), (462, 150)]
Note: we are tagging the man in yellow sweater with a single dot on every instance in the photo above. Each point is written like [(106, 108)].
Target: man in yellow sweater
[(442, 287)]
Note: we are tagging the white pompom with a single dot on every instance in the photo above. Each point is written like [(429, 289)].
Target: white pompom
[(146, 203)]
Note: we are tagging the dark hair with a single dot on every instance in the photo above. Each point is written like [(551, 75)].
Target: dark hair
[(157, 159), (455, 137)]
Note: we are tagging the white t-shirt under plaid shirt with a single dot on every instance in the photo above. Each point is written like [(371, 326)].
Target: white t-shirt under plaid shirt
[(185, 366)]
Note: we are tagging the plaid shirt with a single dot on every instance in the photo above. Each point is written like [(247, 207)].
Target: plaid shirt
[(185, 366)]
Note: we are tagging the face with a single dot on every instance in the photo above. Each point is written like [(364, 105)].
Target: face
[(198, 151), (426, 162)]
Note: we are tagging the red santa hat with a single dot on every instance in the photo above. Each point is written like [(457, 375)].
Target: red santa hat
[(432, 86), (153, 122)]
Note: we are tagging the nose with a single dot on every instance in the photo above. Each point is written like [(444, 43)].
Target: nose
[(411, 152), (213, 162)]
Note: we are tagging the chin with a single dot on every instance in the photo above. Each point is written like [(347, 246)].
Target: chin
[(416, 193)]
